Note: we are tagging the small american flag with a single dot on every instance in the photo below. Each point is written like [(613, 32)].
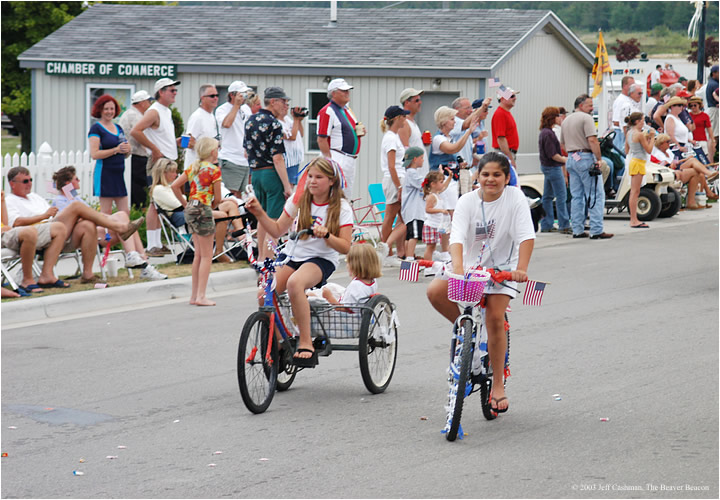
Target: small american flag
[(494, 82), (409, 270), (533, 293)]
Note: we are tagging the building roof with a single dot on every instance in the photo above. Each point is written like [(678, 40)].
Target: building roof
[(211, 36)]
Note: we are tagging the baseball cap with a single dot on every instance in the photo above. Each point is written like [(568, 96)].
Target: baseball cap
[(411, 153), (714, 68), (656, 87), (408, 93), (477, 103), (238, 86), (339, 84), (165, 82), (140, 96), (275, 93), (683, 94), (394, 111)]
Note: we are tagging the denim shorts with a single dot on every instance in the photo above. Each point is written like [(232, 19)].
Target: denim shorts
[(325, 266)]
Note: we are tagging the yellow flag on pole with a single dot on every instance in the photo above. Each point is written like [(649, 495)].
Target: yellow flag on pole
[(601, 66)]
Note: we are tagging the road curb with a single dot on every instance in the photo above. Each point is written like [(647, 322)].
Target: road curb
[(66, 304)]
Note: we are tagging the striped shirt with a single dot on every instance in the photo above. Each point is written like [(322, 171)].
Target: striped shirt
[(339, 125)]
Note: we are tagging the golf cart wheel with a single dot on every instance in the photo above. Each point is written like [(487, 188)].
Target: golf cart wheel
[(670, 209), (648, 206)]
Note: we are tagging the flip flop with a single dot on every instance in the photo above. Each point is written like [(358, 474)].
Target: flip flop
[(32, 287), (496, 409), (310, 362), (22, 292), (57, 284), (640, 226)]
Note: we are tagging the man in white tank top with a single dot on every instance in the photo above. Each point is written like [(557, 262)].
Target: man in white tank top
[(156, 132), (410, 134)]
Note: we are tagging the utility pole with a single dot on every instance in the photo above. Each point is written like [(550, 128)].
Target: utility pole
[(701, 45)]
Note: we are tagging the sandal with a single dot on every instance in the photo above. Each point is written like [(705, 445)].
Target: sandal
[(310, 362), (93, 279), (57, 284), (495, 408), (642, 225)]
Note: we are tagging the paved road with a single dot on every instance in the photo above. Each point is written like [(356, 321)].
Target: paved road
[(628, 332)]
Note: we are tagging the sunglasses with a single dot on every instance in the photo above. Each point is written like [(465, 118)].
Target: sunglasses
[(212, 96), (417, 99), (25, 181), (172, 91)]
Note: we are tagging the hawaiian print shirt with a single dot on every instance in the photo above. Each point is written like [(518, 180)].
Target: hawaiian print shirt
[(201, 185), (263, 139)]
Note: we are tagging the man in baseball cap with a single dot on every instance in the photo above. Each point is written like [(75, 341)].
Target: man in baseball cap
[(339, 132), (163, 83), (141, 101), (231, 118), (140, 96)]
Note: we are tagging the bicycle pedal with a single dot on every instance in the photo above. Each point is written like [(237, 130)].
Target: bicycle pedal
[(322, 346)]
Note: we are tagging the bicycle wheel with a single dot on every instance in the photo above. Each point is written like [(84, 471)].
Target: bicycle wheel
[(286, 370), (377, 344), (256, 376), (463, 363)]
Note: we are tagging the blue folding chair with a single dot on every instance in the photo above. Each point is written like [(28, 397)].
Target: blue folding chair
[(377, 198)]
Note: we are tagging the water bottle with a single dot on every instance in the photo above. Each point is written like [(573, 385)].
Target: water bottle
[(480, 148), (121, 137)]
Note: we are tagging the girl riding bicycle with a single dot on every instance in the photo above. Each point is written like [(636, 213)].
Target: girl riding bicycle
[(318, 205), (491, 227)]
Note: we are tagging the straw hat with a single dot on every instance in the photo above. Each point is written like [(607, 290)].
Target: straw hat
[(675, 100)]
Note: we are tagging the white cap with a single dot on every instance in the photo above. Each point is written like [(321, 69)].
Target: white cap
[(140, 96), (338, 84), (165, 82), (238, 86)]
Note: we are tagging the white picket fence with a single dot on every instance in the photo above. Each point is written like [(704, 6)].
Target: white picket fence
[(46, 162)]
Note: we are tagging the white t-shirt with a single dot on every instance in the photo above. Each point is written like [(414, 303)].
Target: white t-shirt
[(232, 148), (294, 150), (316, 247), (682, 133), (391, 142), (662, 157), (654, 77), (506, 224), (649, 105), (456, 134), (415, 140), (200, 124), (622, 107), (358, 292), (17, 206)]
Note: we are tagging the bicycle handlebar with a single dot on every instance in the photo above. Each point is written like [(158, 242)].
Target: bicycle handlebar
[(496, 275)]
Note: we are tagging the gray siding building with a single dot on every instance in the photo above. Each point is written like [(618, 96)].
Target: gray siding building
[(120, 49)]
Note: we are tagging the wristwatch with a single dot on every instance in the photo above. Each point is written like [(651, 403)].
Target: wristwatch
[(327, 235)]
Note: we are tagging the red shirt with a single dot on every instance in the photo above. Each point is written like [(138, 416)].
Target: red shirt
[(503, 125), (702, 121)]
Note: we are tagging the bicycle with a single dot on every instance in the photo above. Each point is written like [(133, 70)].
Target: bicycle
[(269, 337), (470, 370)]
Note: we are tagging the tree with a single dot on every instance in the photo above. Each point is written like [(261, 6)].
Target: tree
[(23, 25), (711, 52), (627, 50)]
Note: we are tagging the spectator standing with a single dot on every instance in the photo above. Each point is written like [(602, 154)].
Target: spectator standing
[(638, 147), (410, 135), (481, 107), (293, 132), (557, 126), (579, 139), (266, 155), (620, 109), (655, 75), (202, 122), (703, 127), (141, 101), (505, 136), (231, 117), (108, 147), (711, 96), (26, 208), (655, 90), (464, 109), (339, 132), (552, 164), (156, 132)]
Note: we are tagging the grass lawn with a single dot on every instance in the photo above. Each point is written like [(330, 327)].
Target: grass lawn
[(10, 144), (656, 43), (172, 271)]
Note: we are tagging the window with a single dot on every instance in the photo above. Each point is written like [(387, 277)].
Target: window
[(121, 92), (317, 99)]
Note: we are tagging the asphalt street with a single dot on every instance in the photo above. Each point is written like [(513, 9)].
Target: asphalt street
[(627, 339)]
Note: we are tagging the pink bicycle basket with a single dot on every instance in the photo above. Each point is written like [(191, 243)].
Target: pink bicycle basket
[(467, 289)]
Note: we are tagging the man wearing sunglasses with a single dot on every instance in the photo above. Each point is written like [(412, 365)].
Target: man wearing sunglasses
[(202, 122), (410, 135), (505, 137)]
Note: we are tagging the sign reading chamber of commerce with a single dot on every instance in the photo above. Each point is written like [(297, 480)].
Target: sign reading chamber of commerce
[(110, 70)]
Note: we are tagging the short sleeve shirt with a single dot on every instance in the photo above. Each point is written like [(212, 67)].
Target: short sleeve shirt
[(232, 137), (201, 184), (18, 206), (263, 139), (503, 125), (317, 247), (575, 130), (128, 120), (358, 292), (200, 124), (108, 140), (702, 121), (338, 124)]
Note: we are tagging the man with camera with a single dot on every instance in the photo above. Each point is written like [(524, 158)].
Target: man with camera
[(233, 159), (293, 132), (339, 132), (579, 139)]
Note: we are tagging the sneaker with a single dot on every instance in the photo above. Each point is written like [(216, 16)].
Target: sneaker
[(133, 259), (383, 249), (581, 235), (601, 236), (392, 261), (150, 273), (155, 252), (442, 256)]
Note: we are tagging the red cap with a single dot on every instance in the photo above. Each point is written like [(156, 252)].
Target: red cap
[(684, 94)]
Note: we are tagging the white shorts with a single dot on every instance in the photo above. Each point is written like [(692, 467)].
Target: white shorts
[(347, 164), (389, 190)]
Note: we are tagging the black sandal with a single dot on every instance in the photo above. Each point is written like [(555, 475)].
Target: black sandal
[(310, 362)]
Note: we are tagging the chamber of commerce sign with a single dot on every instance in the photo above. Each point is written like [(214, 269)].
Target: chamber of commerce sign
[(110, 70)]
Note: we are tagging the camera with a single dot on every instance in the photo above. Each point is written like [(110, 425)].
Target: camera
[(300, 112), (595, 170)]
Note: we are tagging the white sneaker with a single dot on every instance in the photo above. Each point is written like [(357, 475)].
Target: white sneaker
[(383, 249), (133, 259), (392, 261), (150, 273), (442, 256), (435, 269)]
